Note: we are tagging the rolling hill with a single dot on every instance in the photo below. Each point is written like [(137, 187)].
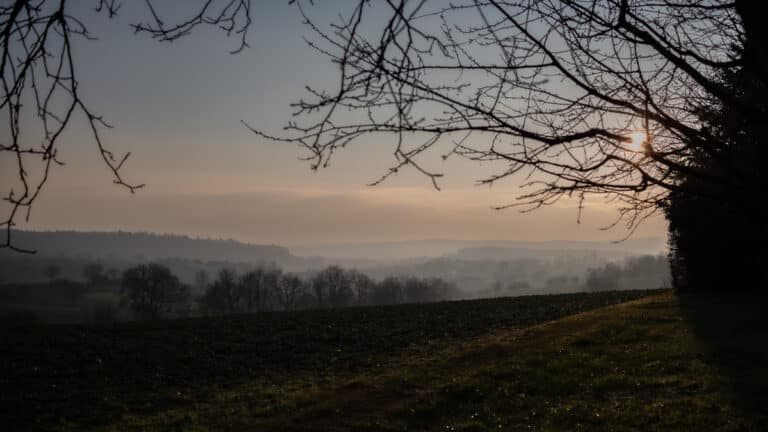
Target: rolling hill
[(129, 245)]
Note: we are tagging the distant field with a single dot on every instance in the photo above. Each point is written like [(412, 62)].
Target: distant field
[(471, 365)]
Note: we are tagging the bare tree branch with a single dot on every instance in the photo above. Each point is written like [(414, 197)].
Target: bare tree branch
[(553, 90), (39, 79)]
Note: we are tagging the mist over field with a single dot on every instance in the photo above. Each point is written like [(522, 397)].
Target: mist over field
[(90, 265)]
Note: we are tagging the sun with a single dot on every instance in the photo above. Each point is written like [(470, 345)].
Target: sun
[(637, 141)]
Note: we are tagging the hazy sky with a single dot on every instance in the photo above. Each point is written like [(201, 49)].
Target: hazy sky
[(177, 107)]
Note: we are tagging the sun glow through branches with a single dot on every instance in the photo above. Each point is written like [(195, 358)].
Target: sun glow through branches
[(637, 141)]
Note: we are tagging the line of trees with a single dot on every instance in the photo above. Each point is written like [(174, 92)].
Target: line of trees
[(152, 291), (635, 273), (265, 289)]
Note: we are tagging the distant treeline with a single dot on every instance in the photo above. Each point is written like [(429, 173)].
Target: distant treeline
[(64, 289), (152, 291), (271, 289), (634, 273), (475, 278)]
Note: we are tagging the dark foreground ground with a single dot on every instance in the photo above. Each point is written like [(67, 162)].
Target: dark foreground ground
[(564, 362)]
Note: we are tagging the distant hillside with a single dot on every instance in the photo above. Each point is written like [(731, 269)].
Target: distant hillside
[(435, 248), (494, 253), (127, 245)]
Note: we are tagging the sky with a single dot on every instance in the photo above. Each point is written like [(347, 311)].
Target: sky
[(177, 107)]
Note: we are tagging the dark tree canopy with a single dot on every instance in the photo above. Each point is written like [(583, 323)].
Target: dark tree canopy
[(718, 234)]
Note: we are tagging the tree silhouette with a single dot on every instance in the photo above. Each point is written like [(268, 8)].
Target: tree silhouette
[(718, 234), (39, 79), (151, 290), (582, 98), (289, 291), (334, 286), (225, 294), (577, 98)]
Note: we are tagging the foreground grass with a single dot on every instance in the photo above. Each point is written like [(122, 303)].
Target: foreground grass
[(652, 364)]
